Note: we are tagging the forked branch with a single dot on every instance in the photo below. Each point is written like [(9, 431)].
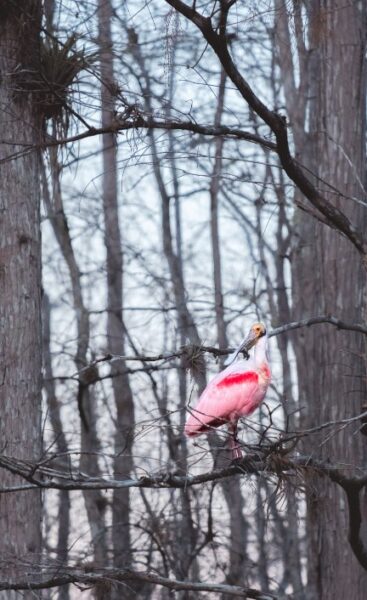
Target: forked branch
[(218, 42)]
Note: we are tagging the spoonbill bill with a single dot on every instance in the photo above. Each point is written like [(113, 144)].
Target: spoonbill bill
[(235, 392)]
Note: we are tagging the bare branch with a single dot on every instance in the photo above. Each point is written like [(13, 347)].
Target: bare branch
[(191, 349), (87, 577), (144, 122), (265, 460), (278, 125), (141, 121), (317, 321)]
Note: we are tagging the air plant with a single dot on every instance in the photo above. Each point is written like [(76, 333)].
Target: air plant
[(51, 81), (60, 65), (193, 359)]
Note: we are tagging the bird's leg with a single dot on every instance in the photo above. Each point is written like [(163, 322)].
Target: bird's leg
[(233, 441)]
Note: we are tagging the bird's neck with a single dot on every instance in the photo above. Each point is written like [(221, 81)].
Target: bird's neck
[(261, 352)]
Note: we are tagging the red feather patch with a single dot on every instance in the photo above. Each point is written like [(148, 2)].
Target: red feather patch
[(238, 378)]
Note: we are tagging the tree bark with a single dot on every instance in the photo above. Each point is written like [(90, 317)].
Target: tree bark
[(328, 279), (20, 289)]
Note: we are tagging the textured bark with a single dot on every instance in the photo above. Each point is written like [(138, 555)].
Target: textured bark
[(328, 279), (123, 462), (20, 292)]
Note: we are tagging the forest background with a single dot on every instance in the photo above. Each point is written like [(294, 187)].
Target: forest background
[(170, 172)]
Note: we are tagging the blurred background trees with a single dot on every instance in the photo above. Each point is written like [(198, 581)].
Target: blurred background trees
[(201, 166)]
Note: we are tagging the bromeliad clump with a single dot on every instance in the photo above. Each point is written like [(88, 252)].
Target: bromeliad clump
[(51, 79)]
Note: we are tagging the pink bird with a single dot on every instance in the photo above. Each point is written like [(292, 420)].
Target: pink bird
[(235, 392)]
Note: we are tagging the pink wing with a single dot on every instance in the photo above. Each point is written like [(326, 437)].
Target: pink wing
[(232, 393)]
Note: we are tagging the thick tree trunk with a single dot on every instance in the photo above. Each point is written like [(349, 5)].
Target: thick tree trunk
[(328, 279), (20, 292)]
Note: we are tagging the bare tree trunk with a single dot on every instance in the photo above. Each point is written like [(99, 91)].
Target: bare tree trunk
[(60, 445), (292, 531), (94, 500), (327, 279), (187, 565), (20, 290), (214, 226), (123, 462), (261, 526), (182, 376)]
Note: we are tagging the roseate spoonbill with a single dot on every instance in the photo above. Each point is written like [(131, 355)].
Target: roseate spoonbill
[(235, 392)]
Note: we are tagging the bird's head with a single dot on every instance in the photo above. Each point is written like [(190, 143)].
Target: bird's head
[(256, 332)]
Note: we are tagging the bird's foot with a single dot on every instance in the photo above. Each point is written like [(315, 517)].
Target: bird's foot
[(236, 452)]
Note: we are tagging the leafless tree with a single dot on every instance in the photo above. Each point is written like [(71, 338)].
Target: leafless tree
[(20, 311), (202, 167)]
